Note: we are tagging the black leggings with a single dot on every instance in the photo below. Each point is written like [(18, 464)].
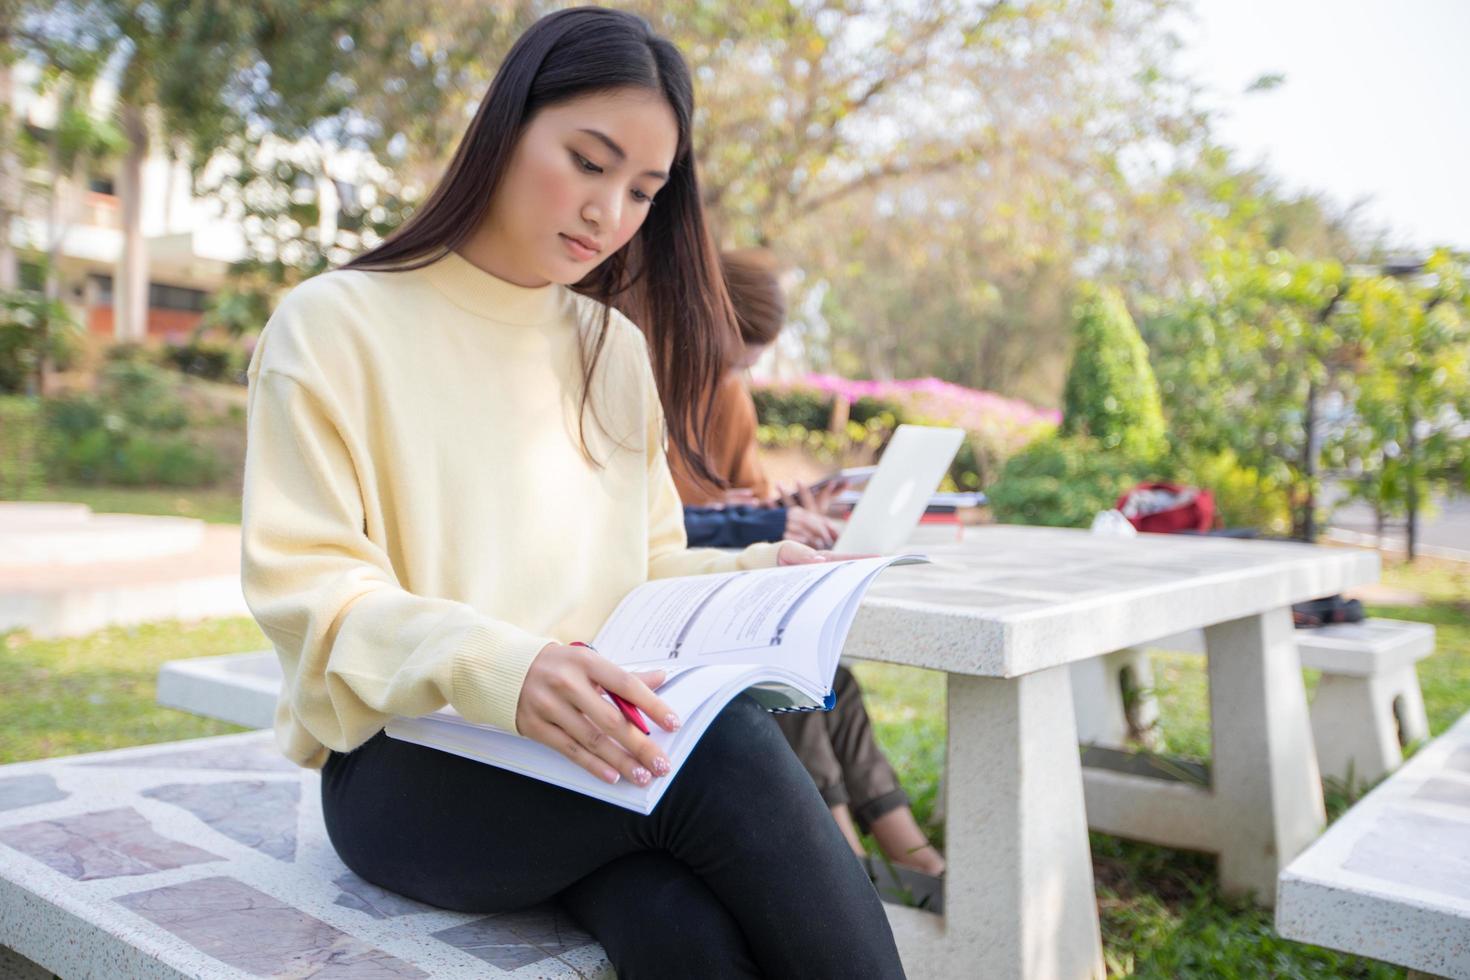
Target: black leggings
[(740, 871)]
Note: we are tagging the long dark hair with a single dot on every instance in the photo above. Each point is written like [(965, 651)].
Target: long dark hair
[(667, 277)]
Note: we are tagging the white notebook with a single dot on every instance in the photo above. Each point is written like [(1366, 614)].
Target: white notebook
[(776, 632)]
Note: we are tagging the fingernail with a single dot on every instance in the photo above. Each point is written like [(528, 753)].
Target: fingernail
[(611, 776), (661, 766), (641, 776), (672, 722)]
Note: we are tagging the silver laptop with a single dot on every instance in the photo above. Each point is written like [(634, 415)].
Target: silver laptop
[(915, 461)]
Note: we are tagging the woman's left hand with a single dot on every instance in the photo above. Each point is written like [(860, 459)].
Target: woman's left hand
[(795, 553)]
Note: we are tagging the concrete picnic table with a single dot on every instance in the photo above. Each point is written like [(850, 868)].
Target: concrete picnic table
[(1003, 612)]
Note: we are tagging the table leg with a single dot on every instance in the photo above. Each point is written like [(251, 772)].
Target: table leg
[(1019, 899), (1264, 768)]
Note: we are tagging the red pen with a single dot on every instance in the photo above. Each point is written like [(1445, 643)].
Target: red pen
[(624, 705)]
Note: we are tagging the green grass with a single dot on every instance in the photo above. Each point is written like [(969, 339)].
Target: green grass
[(1161, 910), (97, 692), (217, 506)]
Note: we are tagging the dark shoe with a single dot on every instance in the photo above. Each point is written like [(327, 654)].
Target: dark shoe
[(1332, 609), (900, 885)]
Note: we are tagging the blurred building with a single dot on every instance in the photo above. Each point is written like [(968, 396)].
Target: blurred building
[(189, 248)]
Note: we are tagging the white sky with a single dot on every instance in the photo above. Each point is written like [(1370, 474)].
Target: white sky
[(1376, 102)]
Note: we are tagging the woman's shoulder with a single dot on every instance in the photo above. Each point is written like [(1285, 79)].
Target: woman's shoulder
[(589, 311), (332, 292), (327, 312), (625, 343)]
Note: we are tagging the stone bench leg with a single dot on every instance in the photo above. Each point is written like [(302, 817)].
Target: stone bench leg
[(1019, 899), (1264, 771), (1361, 724), (1114, 699)]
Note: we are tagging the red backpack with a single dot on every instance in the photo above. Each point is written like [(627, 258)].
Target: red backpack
[(1168, 507)]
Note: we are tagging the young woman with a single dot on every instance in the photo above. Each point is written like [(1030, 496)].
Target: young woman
[(455, 469)]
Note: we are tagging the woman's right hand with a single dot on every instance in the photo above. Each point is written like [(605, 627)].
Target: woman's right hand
[(561, 705), (809, 528)]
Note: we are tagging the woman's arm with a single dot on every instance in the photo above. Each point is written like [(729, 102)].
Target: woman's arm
[(733, 527), (357, 646)]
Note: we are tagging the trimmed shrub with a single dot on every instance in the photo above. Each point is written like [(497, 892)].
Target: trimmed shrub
[(1111, 394)]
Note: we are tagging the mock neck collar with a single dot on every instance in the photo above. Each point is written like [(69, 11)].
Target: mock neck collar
[(477, 291)]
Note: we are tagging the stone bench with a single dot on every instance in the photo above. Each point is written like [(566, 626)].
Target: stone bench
[(208, 859), (240, 688), (1391, 878), (1367, 708)]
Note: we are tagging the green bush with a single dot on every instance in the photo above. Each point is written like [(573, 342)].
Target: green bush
[(202, 359), (1243, 497), (865, 409), (1063, 481), (20, 445), (780, 408), (131, 432), (32, 326), (1111, 393)]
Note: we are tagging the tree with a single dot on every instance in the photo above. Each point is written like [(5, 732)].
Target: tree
[(274, 189), (936, 171), (1412, 400), (196, 75), (79, 139), (1243, 360)]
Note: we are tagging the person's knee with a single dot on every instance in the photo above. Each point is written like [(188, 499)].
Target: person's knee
[(742, 757), (742, 732)]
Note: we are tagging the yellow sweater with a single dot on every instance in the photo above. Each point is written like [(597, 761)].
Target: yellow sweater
[(419, 521)]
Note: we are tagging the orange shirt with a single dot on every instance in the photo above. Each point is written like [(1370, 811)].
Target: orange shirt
[(733, 451)]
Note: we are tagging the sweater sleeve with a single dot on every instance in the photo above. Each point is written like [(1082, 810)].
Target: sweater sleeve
[(356, 647), (733, 527)]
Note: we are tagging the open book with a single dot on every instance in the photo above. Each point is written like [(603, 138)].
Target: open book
[(776, 632)]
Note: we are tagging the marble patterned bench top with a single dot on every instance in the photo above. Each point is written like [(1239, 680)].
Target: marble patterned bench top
[(208, 859), (1391, 878), (1008, 601)]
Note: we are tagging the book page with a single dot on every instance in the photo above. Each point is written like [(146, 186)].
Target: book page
[(670, 619), (735, 616)]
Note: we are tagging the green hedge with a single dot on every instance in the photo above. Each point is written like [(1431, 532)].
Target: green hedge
[(133, 431), (800, 418), (21, 439)]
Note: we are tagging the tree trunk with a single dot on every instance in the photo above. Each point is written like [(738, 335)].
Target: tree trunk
[(54, 220), (9, 183), (1411, 489), (130, 285), (1309, 467)]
